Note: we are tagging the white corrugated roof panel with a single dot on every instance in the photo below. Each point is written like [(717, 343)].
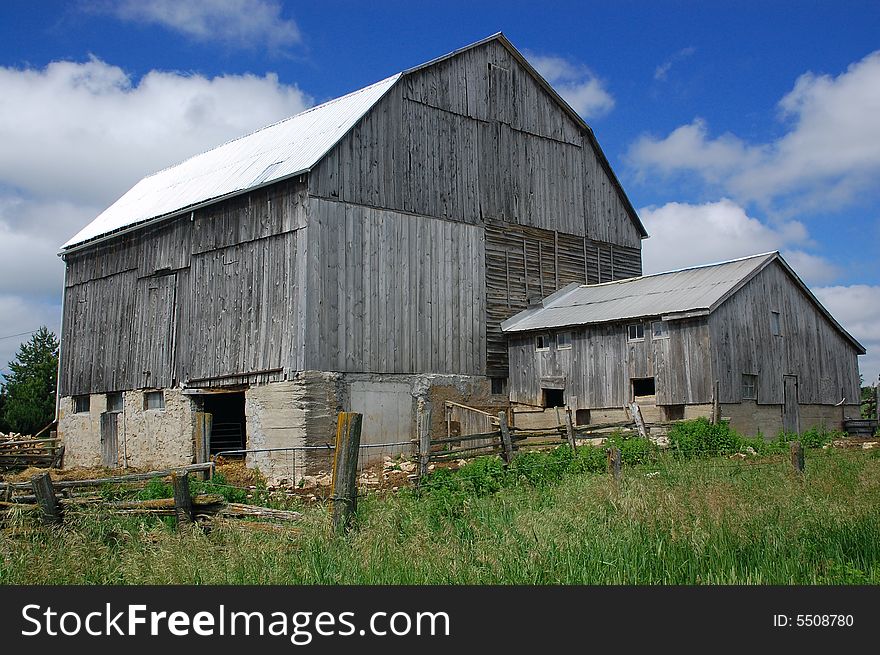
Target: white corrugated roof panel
[(688, 290), (287, 148)]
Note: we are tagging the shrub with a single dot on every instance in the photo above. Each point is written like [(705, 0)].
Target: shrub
[(699, 438)]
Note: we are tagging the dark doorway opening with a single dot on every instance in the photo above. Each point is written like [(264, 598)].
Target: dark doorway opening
[(228, 427), (554, 397), (643, 387)]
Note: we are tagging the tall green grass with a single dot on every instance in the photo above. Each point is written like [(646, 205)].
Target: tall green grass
[(549, 518)]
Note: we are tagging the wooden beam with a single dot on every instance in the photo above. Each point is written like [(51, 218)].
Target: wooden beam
[(569, 428), (183, 503), (614, 462), (506, 443), (797, 456)]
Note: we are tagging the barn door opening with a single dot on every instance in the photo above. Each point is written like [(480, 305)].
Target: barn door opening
[(790, 414), (228, 424)]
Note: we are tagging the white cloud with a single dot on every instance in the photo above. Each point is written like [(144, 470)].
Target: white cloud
[(662, 71), (85, 132), (684, 235), (76, 136), (241, 23), (829, 154), (857, 309), (575, 82)]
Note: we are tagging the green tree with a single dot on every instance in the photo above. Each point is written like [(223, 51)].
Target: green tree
[(29, 403)]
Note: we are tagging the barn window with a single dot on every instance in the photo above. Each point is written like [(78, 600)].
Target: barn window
[(643, 387), (775, 327), (542, 342), (659, 330), (635, 332), (582, 417), (499, 385), (554, 397), (563, 340), (81, 404), (154, 400), (114, 402), (673, 412), (749, 387)]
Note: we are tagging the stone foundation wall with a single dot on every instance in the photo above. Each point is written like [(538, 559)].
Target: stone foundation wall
[(146, 439)]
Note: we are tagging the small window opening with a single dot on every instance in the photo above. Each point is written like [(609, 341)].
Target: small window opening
[(154, 400), (499, 386), (81, 404), (114, 402), (673, 412), (659, 330), (582, 417), (554, 398), (563, 340), (643, 387), (635, 332), (542, 342), (749, 387), (775, 326)]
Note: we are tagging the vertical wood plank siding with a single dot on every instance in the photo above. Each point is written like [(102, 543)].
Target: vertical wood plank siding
[(809, 347), (202, 298), (474, 139), (392, 293), (601, 362)]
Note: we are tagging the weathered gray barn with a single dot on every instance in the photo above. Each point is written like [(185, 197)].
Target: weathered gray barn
[(780, 358), (360, 255)]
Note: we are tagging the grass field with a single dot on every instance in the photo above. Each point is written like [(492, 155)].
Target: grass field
[(667, 521)]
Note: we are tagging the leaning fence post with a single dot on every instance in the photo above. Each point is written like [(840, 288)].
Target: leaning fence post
[(345, 466), (614, 462), (45, 493), (569, 429), (506, 443), (183, 505), (797, 456)]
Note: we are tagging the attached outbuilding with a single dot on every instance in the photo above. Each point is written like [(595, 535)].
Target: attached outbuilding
[(780, 359)]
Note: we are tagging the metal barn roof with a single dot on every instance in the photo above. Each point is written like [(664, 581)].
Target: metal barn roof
[(687, 291), (285, 149)]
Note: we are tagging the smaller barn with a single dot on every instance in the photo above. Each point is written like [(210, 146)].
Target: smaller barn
[(779, 358)]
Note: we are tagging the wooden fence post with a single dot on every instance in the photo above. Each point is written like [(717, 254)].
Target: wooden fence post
[(569, 429), (614, 462), (506, 443), (204, 421), (716, 403), (183, 505), (424, 424), (797, 456), (345, 466), (45, 493)]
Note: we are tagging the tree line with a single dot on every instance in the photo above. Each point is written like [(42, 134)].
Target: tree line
[(27, 394)]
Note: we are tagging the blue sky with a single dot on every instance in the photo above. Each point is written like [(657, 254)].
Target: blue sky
[(734, 127)]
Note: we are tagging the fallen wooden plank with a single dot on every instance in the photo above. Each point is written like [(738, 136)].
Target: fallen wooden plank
[(97, 482), (233, 510)]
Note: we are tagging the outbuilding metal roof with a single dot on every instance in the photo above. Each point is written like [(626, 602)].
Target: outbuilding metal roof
[(684, 293), (285, 149)]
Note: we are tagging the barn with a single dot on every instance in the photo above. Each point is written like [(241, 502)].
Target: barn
[(748, 328), (361, 255)]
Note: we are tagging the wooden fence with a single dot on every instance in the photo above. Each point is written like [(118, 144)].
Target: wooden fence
[(22, 453)]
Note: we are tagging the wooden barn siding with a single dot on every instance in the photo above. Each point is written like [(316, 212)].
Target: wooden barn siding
[(601, 362), (811, 348), (393, 293), (471, 141), (525, 262), (208, 297)]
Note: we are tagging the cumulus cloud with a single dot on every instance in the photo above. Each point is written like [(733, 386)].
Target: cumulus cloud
[(576, 83), (240, 23), (86, 131), (77, 135), (830, 152), (857, 309), (685, 234)]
